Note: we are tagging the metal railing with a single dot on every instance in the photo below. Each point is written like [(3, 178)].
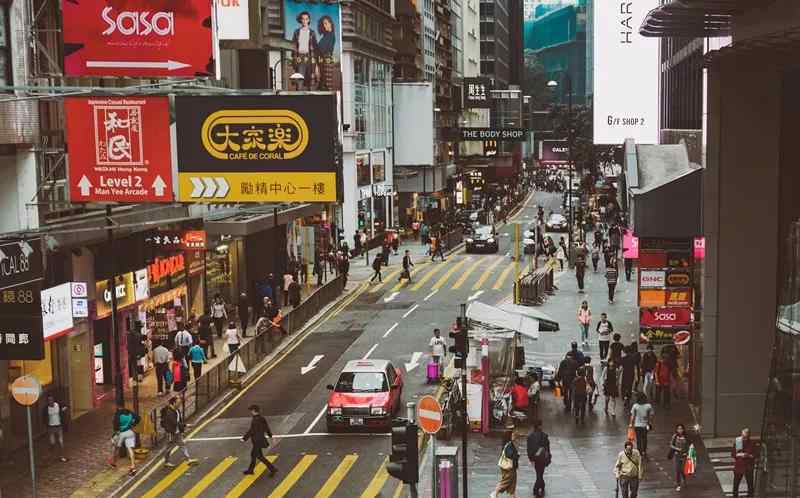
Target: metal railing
[(213, 382), (533, 287)]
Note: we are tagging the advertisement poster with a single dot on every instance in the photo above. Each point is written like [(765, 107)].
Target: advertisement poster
[(657, 336), (119, 149), (21, 276), (652, 279), (315, 30), (276, 148), (138, 38)]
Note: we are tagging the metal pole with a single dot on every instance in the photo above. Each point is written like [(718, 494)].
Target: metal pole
[(435, 476), (412, 491), (569, 187), (30, 451), (465, 426), (112, 287)]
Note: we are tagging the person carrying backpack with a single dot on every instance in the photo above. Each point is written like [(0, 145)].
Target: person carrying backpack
[(539, 455), (172, 422)]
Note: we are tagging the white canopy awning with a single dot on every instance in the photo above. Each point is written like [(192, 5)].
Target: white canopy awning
[(491, 315)]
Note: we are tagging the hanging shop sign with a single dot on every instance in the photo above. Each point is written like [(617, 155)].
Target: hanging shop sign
[(699, 248), (682, 337), (195, 240), (477, 93), (496, 134), (657, 336), (233, 19), (166, 273), (58, 308), (138, 38), (666, 244), (678, 297), (679, 278), (665, 317), (125, 290), (256, 149), (177, 240), (652, 298), (119, 149), (141, 284), (652, 279), (21, 275), (630, 245)]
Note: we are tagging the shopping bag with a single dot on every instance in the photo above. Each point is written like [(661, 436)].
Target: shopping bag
[(631, 434), (690, 465), (557, 391)]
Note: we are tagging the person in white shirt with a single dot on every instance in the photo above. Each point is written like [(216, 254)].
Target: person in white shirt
[(438, 346), (232, 337), (219, 314), (161, 359), (288, 278), (54, 417), (183, 341)]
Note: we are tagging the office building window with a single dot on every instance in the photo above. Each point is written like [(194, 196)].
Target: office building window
[(372, 109)]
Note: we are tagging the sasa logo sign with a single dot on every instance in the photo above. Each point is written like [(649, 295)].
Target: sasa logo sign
[(665, 317), (138, 23)]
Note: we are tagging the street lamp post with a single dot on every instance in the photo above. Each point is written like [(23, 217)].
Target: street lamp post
[(570, 146)]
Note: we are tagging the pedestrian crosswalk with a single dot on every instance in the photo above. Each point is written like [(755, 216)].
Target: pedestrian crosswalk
[(303, 476), (490, 272)]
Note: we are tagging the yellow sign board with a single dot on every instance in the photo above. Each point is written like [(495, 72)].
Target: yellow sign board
[(280, 186)]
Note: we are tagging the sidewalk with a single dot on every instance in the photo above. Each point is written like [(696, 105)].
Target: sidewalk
[(583, 455)]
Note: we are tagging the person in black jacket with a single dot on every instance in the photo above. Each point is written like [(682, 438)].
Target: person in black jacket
[(539, 455), (257, 434), (174, 425), (376, 267)]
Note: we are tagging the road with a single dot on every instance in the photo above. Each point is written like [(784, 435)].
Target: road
[(392, 321)]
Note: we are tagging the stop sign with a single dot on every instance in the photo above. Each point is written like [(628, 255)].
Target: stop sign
[(429, 414)]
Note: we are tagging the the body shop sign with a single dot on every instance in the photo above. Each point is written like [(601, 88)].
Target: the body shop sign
[(138, 38), (652, 279), (665, 317)]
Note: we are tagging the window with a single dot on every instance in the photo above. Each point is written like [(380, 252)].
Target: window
[(487, 28), (372, 108), (390, 374), (362, 382), (487, 67), (5, 47)]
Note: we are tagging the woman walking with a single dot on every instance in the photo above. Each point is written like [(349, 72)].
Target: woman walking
[(508, 463), (611, 387), (233, 338), (678, 449), (641, 420), (584, 319), (219, 314)]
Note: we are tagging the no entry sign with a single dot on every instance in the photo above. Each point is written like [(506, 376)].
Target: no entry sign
[(26, 390), (119, 149), (429, 414)]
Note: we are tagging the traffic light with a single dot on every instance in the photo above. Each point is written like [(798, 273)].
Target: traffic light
[(404, 460), (460, 342)]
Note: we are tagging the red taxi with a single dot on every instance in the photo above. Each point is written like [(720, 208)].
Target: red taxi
[(366, 396)]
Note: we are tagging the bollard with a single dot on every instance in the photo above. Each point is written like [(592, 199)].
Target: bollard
[(411, 408)]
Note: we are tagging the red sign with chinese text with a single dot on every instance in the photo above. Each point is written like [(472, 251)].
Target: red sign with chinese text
[(194, 240), (138, 38), (665, 317), (119, 149)]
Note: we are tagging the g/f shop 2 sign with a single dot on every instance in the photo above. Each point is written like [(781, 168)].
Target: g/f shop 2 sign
[(500, 134)]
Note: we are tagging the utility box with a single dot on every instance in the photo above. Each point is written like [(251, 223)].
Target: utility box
[(446, 465)]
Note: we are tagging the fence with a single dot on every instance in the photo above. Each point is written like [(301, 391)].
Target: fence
[(453, 238), (533, 287), (204, 390)]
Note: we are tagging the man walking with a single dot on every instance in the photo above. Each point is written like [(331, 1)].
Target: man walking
[(648, 366), (565, 376), (55, 416), (539, 455), (204, 332), (612, 274), (173, 424), (183, 341), (161, 360), (629, 471), (376, 267), (438, 347), (745, 454), (604, 330), (257, 434), (407, 265)]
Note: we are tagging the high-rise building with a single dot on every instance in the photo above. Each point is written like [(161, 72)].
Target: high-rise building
[(495, 42)]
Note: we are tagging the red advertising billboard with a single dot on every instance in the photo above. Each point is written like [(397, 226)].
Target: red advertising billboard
[(138, 38), (665, 317), (119, 149)]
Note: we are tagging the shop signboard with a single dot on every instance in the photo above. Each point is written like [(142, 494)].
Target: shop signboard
[(233, 19), (657, 336), (678, 297), (666, 244), (138, 38), (554, 152), (141, 284), (652, 258), (57, 311), (119, 149), (652, 298), (166, 273), (314, 30), (195, 240), (679, 278), (278, 148), (165, 240), (652, 279), (125, 290), (630, 245), (665, 317), (21, 275), (477, 93), (492, 134)]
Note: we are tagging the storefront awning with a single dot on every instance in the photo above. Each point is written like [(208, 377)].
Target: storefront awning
[(546, 322), (242, 221), (495, 317)]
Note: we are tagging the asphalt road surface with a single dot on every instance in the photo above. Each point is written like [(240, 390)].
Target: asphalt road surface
[(389, 321)]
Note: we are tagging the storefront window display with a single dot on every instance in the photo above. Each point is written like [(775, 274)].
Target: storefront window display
[(224, 262)]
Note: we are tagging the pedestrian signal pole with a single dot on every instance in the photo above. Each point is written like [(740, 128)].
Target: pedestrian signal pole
[(461, 350), (404, 458)]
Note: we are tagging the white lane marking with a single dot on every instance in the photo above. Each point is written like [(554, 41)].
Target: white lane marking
[(311, 364), (475, 296), (414, 363), (369, 352), (316, 419), (292, 436), (429, 414), (391, 297), (386, 334), (410, 310), (431, 294)]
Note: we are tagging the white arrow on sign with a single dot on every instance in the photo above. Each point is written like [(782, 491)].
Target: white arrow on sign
[(25, 248), (475, 296), (208, 187), (85, 185), (311, 364), (414, 363), (169, 65), (391, 297), (159, 185)]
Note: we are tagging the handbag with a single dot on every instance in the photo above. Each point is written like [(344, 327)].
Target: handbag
[(631, 434), (505, 463)]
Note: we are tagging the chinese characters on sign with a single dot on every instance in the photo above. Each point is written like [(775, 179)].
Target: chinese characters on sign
[(477, 93), (21, 275), (59, 305)]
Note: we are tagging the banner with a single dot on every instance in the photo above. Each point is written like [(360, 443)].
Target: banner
[(657, 336), (233, 19), (277, 148), (315, 30), (138, 38), (554, 152), (119, 149), (625, 74), (21, 276)]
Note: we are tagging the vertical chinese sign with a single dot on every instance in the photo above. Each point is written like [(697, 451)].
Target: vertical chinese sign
[(257, 149), (119, 149), (21, 275)]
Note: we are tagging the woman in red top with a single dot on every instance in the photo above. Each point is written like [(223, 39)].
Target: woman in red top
[(662, 378)]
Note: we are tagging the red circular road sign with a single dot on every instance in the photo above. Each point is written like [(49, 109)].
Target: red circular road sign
[(681, 337), (429, 414)]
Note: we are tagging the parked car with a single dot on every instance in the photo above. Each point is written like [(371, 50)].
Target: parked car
[(366, 396), (484, 238), (557, 222)]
